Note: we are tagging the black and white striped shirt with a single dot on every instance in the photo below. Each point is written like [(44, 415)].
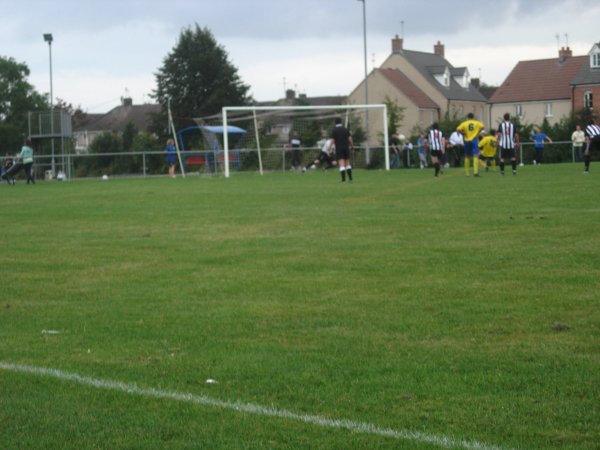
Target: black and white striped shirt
[(435, 140), (592, 131), (506, 135)]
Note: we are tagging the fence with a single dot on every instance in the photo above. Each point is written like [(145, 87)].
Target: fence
[(151, 163)]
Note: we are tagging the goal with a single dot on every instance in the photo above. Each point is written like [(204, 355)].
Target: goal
[(256, 138)]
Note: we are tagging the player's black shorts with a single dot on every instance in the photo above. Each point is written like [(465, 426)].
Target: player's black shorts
[(342, 153), (507, 153), (436, 153), (594, 144), (324, 157)]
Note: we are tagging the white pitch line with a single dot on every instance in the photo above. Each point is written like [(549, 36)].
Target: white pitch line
[(250, 408)]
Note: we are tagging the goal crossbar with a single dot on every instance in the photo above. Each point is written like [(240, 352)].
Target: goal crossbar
[(254, 109)]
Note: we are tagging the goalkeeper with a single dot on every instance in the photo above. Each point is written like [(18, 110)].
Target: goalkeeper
[(488, 147), (325, 155)]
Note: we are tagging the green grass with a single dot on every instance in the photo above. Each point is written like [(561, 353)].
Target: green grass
[(458, 307)]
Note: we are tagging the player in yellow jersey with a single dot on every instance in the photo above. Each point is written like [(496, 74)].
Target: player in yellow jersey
[(470, 129), (487, 148)]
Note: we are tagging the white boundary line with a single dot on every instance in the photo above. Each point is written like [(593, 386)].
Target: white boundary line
[(250, 408)]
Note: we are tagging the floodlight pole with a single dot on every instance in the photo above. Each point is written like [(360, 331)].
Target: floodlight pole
[(367, 150), (48, 38)]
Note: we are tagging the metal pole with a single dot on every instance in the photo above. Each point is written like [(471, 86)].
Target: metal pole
[(48, 38), (367, 150)]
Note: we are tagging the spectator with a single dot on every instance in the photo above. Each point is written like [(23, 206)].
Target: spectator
[(26, 157), (171, 151), (295, 143), (578, 139)]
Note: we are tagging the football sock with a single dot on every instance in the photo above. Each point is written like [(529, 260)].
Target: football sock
[(501, 166), (436, 166), (467, 165), (343, 172), (586, 160), (514, 165), (349, 171), (475, 165)]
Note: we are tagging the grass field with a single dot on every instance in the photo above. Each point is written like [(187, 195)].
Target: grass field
[(400, 311)]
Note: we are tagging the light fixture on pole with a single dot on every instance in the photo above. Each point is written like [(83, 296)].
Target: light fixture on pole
[(367, 152), (48, 39)]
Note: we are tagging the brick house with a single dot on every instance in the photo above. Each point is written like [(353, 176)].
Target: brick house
[(538, 89), (586, 83), (425, 84)]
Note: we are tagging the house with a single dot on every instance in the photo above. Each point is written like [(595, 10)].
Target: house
[(281, 123), (425, 84), (113, 121), (538, 89), (586, 83)]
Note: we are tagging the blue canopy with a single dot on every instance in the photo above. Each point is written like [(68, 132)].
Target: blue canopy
[(219, 129), (209, 134)]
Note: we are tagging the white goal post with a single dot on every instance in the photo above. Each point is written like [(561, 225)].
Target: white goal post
[(257, 115)]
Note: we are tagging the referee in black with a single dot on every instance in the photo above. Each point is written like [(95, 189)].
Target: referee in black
[(592, 140), (343, 145)]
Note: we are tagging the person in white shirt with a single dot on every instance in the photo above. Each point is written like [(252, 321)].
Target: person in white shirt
[(578, 139), (326, 154), (456, 145)]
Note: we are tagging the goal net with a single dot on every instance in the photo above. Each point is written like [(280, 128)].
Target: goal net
[(259, 138)]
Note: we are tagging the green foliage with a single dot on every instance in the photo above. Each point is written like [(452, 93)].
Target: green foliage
[(104, 146), (128, 136), (395, 115), (198, 77), (359, 135), (449, 123), (17, 98)]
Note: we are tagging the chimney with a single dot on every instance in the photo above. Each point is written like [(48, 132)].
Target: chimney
[(127, 101), (564, 53), (397, 44), (438, 49), (290, 94)]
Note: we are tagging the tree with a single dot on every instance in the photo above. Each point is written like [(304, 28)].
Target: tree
[(395, 116), (17, 98), (198, 78)]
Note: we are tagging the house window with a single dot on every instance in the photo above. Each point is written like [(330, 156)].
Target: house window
[(519, 110), (595, 60), (588, 100), (548, 109)]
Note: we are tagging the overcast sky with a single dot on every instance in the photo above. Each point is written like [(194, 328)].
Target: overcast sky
[(104, 50)]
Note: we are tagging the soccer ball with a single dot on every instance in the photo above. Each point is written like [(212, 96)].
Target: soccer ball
[(402, 138)]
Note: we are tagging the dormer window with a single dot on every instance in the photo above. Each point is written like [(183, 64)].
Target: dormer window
[(443, 77)]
